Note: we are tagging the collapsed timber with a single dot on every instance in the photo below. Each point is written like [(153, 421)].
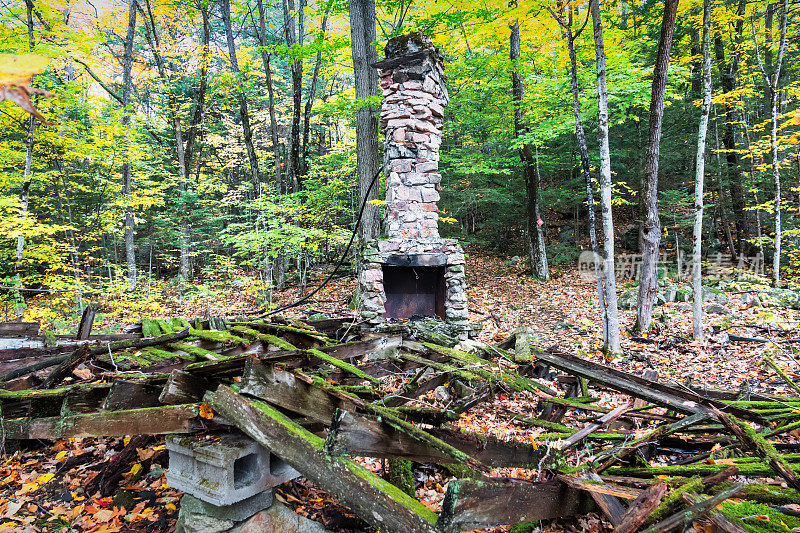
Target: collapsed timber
[(645, 454)]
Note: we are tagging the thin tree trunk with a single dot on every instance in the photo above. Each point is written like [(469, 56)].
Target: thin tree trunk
[(362, 35), (584, 153), (294, 35), (197, 115), (130, 251), (273, 121), (612, 312), (651, 228), (24, 195), (697, 280), (774, 95), (312, 91), (247, 133), (536, 245), (753, 184)]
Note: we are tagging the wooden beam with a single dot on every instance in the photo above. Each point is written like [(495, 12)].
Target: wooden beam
[(638, 387), (365, 436), (87, 320), (285, 390), (149, 421), (373, 499), (470, 504)]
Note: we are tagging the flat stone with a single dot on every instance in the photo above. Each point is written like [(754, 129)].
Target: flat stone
[(401, 165), (399, 135), (279, 519), (237, 512), (717, 309), (429, 195)]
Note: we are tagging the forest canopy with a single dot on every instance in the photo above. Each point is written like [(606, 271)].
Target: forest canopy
[(193, 139)]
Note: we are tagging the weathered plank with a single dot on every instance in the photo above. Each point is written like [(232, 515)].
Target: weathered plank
[(182, 387), (365, 436), (373, 499), (87, 321), (679, 399), (284, 389), (470, 504), (149, 421), (19, 329)]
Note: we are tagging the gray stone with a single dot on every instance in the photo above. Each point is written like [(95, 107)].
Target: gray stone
[(279, 519), (236, 512), (227, 469), (749, 300), (717, 309), (442, 394)]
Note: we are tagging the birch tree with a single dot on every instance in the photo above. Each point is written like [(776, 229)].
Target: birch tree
[(571, 36), (610, 286), (772, 81), (697, 280), (651, 228)]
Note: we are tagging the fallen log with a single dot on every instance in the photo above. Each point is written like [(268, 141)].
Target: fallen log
[(375, 500), (284, 389), (470, 504), (684, 518), (365, 436), (640, 509), (760, 446), (603, 421), (730, 524)]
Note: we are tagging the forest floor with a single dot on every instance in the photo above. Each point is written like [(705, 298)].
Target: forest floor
[(560, 313)]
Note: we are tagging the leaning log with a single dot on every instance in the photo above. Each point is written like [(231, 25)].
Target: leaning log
[(375, 500)]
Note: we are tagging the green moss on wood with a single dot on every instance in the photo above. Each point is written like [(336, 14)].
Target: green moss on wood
[(401, 476)]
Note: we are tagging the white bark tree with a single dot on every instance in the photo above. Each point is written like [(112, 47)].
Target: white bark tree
[(610, 285), (697, 279), (772, 81)]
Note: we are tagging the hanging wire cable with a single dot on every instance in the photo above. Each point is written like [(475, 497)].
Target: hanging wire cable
[(341, 259)]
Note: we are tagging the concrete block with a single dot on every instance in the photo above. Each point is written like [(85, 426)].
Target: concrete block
[(224, 469)]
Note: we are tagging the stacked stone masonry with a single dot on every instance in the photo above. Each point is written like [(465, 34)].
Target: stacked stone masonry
[(414, 98)]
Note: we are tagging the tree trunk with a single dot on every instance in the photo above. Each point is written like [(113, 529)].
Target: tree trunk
[(313, 91), (197, 115), (273, 121), (130, 251), (697, 280), (243, 114), (587, 176), (728, 74), (772, 82), (24, 195), (651, 228), (536, 245), (362, 35), (612, 312), (294, 35)]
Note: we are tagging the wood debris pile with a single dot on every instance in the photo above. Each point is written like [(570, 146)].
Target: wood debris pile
[(644, 454)]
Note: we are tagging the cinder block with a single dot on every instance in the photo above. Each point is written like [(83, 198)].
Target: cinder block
[(223, 469)]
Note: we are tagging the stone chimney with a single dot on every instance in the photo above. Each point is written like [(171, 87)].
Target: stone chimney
[(413, 271), (414, 97)]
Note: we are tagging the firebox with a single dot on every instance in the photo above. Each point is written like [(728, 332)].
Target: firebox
[(414, 290), (413, 271)]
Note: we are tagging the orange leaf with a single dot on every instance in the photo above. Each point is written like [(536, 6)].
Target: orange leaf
[(205, 411)]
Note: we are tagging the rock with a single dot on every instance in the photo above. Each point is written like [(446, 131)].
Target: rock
[(749, 300), (442, 394), (278, 518), (718, 309), (514, 260), (683, 306), (193, 508)]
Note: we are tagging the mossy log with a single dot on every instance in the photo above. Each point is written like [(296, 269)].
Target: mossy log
[(478, 504), (759, 445), (347, 367), (375, 500), (684, 518)]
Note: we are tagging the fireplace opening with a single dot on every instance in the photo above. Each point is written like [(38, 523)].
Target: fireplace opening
[(415, 290)]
